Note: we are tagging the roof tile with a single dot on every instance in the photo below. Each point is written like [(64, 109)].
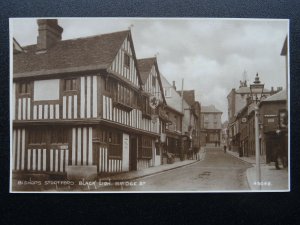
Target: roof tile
[(95, 51)]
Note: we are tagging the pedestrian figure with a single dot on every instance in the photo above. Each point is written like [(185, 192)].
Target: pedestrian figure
[(225, 148), (279, 157)]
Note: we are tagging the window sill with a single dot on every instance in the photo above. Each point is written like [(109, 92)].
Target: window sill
[(122, 106), (115, 157)]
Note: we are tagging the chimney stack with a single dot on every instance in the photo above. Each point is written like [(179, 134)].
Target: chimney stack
[(174, 86), (49, 33)]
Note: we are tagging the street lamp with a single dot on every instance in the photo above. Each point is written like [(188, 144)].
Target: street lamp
[(256, 90)]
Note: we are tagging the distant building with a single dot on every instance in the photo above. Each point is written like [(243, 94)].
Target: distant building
[(174, 128), (194, 118), (211, 125), (183, 130), (224, 135), (269, 111), (237, 100), (285, 53)]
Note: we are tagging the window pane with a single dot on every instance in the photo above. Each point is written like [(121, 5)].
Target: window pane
[(74, 84), (126, 60), (46, 90)]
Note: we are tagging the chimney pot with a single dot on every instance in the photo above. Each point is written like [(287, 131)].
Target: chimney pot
[(49, 33), (174, 86)]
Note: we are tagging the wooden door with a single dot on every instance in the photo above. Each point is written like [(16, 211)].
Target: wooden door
[(133, 154)]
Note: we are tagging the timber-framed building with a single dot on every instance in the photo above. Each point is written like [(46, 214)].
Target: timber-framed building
[(80, 105)]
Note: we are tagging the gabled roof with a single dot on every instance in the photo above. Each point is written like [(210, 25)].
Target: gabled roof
[(145, 66), (210, 109), (279, 96), (188, 96), (17, 48), (81, 54), (175, 101), (284, 47)]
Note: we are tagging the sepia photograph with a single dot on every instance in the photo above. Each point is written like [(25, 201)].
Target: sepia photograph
[(149, 105)]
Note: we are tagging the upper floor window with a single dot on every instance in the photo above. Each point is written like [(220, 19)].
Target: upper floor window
[(110, 85), (175, 123), (46, 90), (145, 105), (126, 60), (153, 81), (24, 88), (70, 84)]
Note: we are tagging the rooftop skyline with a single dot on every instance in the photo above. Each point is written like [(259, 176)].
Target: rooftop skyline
[(210, 54)]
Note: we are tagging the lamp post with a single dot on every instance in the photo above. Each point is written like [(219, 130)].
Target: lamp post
[(256, 90)]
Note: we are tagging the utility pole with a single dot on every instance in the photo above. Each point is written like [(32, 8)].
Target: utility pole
[(182, 133), (182, 107)]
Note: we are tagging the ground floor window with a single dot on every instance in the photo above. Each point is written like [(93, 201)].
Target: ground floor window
[(173, 145), (145, 148), (113, 140), (37, 136), (114, 144), (59, 135), (48, 135)]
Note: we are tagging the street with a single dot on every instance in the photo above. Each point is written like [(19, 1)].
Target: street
[(217, 172)]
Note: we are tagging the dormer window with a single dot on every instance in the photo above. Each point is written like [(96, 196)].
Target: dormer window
[(70, 84), (126, 60)]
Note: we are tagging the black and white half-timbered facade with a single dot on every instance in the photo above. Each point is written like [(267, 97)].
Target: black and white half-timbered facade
[(153, 90), (82, 106)]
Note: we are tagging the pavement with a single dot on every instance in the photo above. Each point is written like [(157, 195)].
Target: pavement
[(39, 182), (271, 178), (133, 175)]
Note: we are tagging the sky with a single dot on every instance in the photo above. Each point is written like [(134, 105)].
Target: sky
[(211, 55)]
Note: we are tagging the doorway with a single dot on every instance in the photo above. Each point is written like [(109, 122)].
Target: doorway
[(133, 153)]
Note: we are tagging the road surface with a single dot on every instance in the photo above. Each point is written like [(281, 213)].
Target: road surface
[(217, 172)]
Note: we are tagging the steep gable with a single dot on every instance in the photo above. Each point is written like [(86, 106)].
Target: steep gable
[(189, 96), (148, 69), (125, 63)]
